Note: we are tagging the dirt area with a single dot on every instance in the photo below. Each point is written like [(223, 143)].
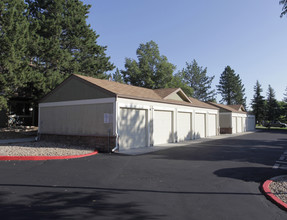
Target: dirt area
[(18, 132), (42, 148)]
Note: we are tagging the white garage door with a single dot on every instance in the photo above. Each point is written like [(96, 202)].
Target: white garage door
[(212, 125), (132, 128), (250, 123), (183, 126), (234, 127), (162, 129), (239, 124), (244, 124), (199, 128)]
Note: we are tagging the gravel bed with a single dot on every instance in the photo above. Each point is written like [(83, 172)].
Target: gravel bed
[(42, 148), (279, 188)]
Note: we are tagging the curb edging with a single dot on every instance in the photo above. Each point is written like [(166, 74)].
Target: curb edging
[(9, 158), (270, 195)]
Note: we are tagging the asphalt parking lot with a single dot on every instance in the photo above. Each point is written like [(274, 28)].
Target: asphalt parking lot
[(219, 179)]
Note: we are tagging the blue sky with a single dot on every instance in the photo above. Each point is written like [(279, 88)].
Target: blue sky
[(247, 35)]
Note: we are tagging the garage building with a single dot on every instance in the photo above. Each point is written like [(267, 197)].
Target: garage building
[(234, 119), (107, 114)]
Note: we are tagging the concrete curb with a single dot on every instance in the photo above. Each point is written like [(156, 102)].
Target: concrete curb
[(270, 195), (17, 140), (9, 158)]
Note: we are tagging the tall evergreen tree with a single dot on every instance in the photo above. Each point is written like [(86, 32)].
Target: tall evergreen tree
[(231, 88), (13, 48), (258, 103), (285, 96), (63, 44), (117, 76), (152, 70), (284, 8), (271, 105), (195, 76)]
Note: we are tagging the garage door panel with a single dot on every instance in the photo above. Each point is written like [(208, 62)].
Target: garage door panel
[(239, 124), (199, 125), (132, 128), (234, 127), (162, 132), (183, 126), (212, 125)]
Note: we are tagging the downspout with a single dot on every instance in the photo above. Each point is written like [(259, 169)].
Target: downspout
[(117, 147)]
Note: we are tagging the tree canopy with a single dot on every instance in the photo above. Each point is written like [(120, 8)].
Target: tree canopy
[(257, 103), (14, 32), (43, 42), (152, 70), (196, 78), (272, 107), (284, 8), (231, 88)]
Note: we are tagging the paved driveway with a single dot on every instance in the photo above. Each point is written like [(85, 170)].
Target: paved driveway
[(211, 180)]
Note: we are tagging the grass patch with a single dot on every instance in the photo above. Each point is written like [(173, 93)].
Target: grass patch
[(260, 127)]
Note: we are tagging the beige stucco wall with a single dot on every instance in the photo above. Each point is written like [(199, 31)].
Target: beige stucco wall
[(76, 119), (75, 89), (225, 120)]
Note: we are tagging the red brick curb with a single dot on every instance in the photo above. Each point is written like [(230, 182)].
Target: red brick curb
[(270, 195), (46, 157)]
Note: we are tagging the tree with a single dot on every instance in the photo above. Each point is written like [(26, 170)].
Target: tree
[(63, 44), (117, 76), (195, 77), (258, 103), (179, 82), (285, 96), (231, 88), (13, 48), (271, 105), (284, 8), (152, 70)]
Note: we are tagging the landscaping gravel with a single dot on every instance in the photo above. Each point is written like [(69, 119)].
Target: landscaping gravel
[(278, 187), (42, 148)]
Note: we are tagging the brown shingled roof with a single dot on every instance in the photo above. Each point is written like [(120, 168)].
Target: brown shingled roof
[(165, 92), (121, 89), (226, 107), (129, 91), (201, 104)]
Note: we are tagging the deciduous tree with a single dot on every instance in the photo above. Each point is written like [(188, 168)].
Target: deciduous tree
[(152, 70)]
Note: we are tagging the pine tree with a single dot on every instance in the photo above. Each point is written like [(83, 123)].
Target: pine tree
[(285, 96), (179, 82), (258, 103), (195, 76), (271, 105), (13, 48), (117, 76), (63, 44), (231, 88), (152, 70), (284, 8)]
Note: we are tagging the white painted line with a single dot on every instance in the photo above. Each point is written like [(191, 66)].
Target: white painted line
[(276, 166)]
